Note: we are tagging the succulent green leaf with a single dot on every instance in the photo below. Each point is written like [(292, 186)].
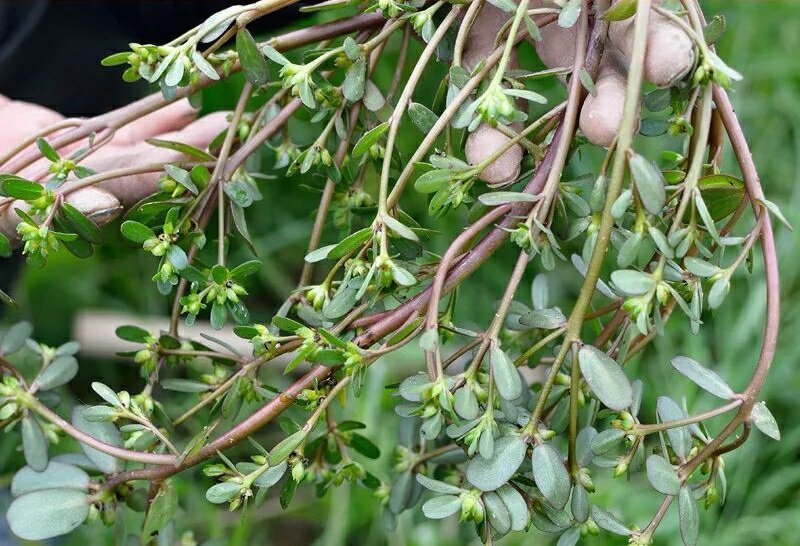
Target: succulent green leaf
[(703, 377), (605, 377), (662, 476), (489, 474), (551, 475), (44, 514)]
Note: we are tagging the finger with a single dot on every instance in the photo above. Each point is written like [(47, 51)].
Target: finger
[(201, 132), (96, 204), (483, 142), (486, 140), (483, 34), (556, 49), (133, 188), (170, 118), (21, 120), (602, 112), (668, 58), (669, 53)]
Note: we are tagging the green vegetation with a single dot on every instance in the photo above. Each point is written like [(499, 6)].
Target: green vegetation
[(763, 476)]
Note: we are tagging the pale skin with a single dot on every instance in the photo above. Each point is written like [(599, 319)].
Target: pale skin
[(127, 149), (668, 58)]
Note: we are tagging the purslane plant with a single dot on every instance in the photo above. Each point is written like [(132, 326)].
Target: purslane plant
[(481, 437)]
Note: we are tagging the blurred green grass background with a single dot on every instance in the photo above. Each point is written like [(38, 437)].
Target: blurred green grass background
[(763, 507)]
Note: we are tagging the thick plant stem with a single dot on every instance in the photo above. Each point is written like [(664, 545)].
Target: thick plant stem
[(432, 319), (627, 129), (756, 194), (624, 141), (118, 452), (771, 325)]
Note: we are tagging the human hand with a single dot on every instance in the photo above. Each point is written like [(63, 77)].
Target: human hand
[(668, 58), (106, 200)]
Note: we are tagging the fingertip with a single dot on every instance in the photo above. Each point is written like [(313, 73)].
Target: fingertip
[(556, 49), (483, 142), (669, 54), (601, 114), (97, 204)]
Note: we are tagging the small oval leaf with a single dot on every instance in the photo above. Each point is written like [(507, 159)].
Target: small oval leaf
[(662, 476), (489, 474), (703, 377), (48, 513), (605, 378), (551, 475)]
